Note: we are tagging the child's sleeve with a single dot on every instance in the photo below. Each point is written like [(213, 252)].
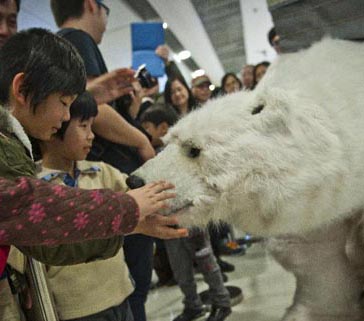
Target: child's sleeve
[(33, 212), (113, 178)]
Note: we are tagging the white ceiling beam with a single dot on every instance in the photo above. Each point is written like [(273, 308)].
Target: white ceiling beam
[(257, 22), (186, 25)]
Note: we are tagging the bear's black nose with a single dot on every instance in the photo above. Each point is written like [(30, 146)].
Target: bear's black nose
[(134, 181)]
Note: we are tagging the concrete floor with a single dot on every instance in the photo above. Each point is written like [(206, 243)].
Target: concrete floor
[(267, 290)]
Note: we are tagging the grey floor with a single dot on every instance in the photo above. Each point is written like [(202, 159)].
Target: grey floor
[(267, 290)]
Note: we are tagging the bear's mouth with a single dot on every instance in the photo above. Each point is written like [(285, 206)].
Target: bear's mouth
[(134, 181), (180, 210)]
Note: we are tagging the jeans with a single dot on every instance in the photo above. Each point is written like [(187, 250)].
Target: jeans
[(183, 253), (138, 250)]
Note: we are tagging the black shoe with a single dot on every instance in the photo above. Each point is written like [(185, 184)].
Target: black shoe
[(191, 314), (225, 266), (219, 313)]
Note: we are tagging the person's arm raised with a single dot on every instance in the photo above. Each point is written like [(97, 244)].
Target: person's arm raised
[(111, 85), (108, 123), (111, 126)]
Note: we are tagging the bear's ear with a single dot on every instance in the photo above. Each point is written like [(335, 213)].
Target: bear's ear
[(271, 111), (274, 99)]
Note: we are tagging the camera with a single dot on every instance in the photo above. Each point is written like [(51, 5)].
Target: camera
[(144, 77)]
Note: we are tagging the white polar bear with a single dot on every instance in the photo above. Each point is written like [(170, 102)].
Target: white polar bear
[(284, 159)]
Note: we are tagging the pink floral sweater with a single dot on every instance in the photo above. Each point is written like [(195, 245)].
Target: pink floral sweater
[(33, 212)]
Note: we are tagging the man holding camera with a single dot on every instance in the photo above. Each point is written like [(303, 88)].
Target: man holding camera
[(83, 23)]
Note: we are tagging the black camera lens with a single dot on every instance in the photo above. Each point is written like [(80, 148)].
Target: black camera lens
[(145, 79)]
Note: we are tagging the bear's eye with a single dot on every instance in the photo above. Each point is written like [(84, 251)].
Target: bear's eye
[(194, 152), (257, 109)]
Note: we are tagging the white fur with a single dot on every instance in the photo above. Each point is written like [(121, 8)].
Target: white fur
[(296, 169), (328, 287), (289, 169)]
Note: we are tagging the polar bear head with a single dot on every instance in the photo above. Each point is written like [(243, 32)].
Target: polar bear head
[(271, 161), (262, 160)]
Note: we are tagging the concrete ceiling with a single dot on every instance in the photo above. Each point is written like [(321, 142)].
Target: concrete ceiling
[(212, 30), (188, 28), (222, 35), (223, 24)]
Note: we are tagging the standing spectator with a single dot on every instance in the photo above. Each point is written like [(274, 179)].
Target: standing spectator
[(274, 40), (195, 249), (247, 77), (259, 71), (83, 23), (9, 10), (178, 95), (230, 83), (201, 89), (8, 26)]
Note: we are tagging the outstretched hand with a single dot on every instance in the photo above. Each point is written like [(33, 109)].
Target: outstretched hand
[(160, 226), (111, 85), (152, 197)]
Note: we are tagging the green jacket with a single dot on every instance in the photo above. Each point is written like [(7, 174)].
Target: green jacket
[(15, 161)]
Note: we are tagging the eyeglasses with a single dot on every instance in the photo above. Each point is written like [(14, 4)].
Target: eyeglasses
[(103, 5)]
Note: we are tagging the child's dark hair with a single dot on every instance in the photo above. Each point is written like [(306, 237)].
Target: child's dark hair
[(50, 65), (83, 108), (158, 115)]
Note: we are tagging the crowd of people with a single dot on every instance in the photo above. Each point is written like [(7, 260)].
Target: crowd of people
[(71, 132)]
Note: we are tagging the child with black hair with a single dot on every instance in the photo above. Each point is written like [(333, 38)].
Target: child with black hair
[(99, 288), (156, 121)]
